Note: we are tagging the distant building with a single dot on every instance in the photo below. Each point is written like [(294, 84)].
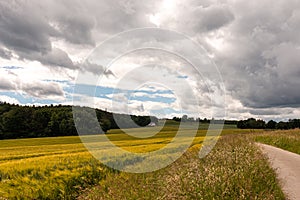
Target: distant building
[(152, 124)]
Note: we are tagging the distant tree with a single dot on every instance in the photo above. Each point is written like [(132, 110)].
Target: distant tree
[(177, 119), (16, 121), (191, 119), (40, 121), (294, 123), (271, 124), (184, 118), (282, 125), (205, 121), (242, 124), (53, 125), (251, 123), (154, 119), (260, 124), (105, 125)]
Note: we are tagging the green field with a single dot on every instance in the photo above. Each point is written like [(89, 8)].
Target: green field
[(62, 168), (288, 140)]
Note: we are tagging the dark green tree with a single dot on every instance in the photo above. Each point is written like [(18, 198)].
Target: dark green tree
[(105, 125), (271, 124)]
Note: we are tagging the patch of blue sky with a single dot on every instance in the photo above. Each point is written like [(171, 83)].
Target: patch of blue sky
[(105, 92), (92, 91), (23, 99), (11, 67), (182, 77)]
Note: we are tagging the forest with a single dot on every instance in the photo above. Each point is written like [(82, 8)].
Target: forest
[(48, 121)]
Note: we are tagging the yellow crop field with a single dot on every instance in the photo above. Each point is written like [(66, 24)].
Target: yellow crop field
[(62, 167), (57, 168)]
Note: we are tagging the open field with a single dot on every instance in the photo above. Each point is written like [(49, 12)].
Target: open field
[(235, 169), (288, 140), (61, 167)]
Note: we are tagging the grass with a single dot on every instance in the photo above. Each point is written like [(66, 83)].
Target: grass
[(288, 140), (61, 167), (235, 169)]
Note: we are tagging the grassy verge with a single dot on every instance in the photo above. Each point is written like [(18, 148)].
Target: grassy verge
[(288, 140), (235, 169)]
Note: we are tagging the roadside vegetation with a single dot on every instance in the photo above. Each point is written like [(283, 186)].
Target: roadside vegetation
[(288, 140), (235, 169)]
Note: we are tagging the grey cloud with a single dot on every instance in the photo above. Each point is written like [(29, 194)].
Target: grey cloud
[(5, 54), (213, 18), (28, 28), (265, 112), (23, 28), (56, 57), (260, 64), (96, 69), (6, 84), (43, 90), (117, 16), (199, 17), (72, 20), (77, 30), (92, 67), (38, 89)]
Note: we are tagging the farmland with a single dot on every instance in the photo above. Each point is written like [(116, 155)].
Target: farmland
[(235, 169), (62, 168)]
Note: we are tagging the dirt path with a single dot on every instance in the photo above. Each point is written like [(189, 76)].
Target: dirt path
[(287, 166)]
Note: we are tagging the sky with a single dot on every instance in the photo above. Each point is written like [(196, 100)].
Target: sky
[(210, 58)]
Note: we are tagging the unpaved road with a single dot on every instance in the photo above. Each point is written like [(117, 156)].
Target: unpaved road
[(287, 166)]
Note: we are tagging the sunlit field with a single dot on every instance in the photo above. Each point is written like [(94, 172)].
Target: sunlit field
[(62, 168)]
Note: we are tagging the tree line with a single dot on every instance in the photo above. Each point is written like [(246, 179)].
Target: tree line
[(252, 123), (46, 121), (185, 118)]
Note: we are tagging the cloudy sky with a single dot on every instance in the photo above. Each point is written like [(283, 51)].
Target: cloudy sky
[(167, 58)]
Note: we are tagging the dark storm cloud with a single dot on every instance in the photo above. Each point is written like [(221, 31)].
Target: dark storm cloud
[(28, 27), (26, 31), (260, 62), (5, 54), (265, 112), (22, 28)]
